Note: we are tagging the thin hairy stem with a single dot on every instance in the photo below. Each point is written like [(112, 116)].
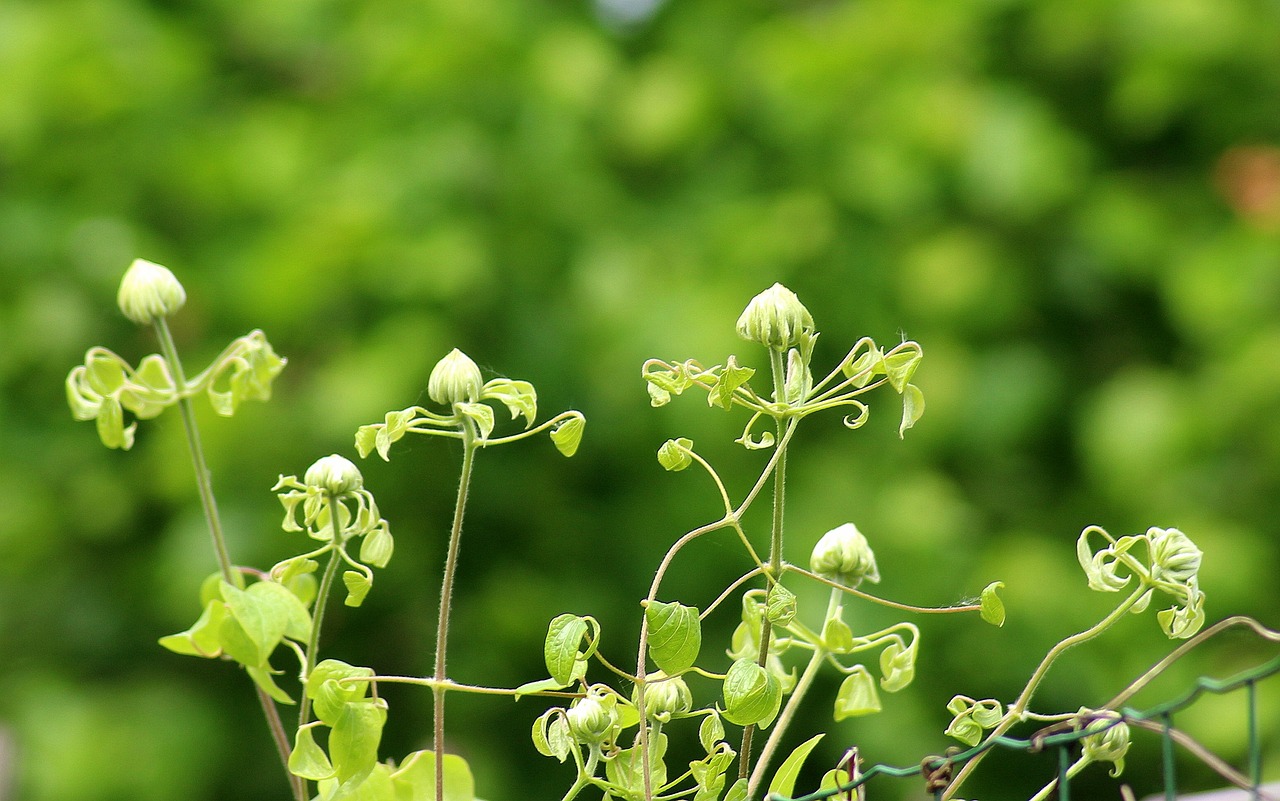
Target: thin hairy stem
[(1020, 706), (446, 600), (213, 521), (920, 610), (322, 603), (793, 703), (447, 684), (778, 364)]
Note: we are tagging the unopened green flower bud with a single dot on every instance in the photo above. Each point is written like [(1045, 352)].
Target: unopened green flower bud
[(335, 475), (844, 555), (590, 719), (455, 379), (1109, 744), (149, 291), (1174, 557), (776, 319), (664, 697)]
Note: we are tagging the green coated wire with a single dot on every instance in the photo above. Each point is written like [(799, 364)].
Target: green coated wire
[(1164, 712)]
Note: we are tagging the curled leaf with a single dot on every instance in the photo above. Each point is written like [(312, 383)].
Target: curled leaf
[(568, 435), (992, 609), (674, 455)]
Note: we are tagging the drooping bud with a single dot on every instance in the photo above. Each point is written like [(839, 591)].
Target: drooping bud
[(455, 379), (149, 291), (776, 319), (664, 697), (334, 474), (1174, 557), (844, 555)]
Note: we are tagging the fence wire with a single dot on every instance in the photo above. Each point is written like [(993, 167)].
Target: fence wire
[(936, 770)]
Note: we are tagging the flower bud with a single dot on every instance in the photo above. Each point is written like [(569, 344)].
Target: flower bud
[(590, 719), (776, 319), (1109, 744), (455, 379), (149, 291), (1174, 557), (335, 475), (844, 555), (664, 697)]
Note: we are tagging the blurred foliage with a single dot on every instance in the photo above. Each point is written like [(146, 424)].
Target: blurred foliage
[(1074, 205)]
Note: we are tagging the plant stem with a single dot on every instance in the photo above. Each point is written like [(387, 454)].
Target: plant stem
[(778, 364), (1020, 706), (446, 600), (793, 703), (322, 602), (208, 503)]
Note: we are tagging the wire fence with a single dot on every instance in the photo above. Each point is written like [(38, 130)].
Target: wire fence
[(936, 771)]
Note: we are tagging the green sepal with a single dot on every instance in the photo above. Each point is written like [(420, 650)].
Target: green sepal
[(329, 694), (674, 454), (568, 435), (358, 585), (203, 638), (675, 636), (992, 609), (857, 695), (415, 779), (780, 605), (353, 743), (751, 694), (912, 408), (727, 383), (262, 677), (307, 759), (565, 634), (784, 781)]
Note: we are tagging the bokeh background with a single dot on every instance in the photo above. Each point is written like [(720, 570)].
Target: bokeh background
[(1074, 205)]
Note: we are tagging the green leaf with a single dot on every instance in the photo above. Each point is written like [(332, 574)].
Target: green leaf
[(262, 677), (711, 731), (780, 605), (357, 585), (283, 602), (353, 743), (751, 694), (203, 638), (912, 408), (857, 695), (992, 607), (262, 614), (727, 382), (568, 435), (675, 636), (519, 397), (534, 687), (415, 779), (737, 792), (329, 693), (624, 769), (551, 734), (784, 781), (901, 363), (307, 759), (709, 774), (480, 414), (837, 636), (564, 635), (674, 454), (377, 547), (897, 666)]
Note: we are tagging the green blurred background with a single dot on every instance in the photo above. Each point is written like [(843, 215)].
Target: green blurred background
[(1074, 205)]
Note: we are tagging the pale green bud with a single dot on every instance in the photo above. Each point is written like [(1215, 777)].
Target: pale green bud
[(1174, 557), (664, 697), (455, 379), (335, 475), (844, 555), (1109, 744), (149, 291), (590, 719), (776, 319)]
